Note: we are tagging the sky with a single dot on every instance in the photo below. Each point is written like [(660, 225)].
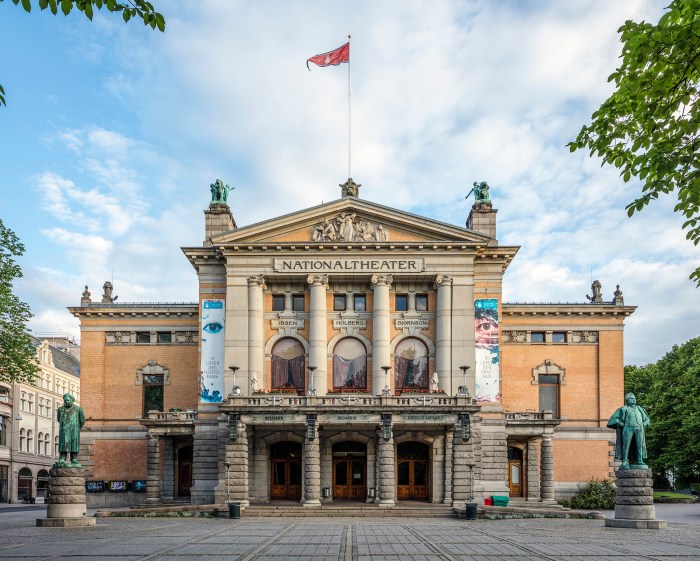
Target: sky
[(113, 133)]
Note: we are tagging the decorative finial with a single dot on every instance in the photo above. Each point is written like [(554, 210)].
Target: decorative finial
[(481, 193), (85, 299), (107, 295), (350, 188), (618, 300), (219, 193)]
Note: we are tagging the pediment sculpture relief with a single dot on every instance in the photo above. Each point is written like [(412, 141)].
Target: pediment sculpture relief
[(347, 227)]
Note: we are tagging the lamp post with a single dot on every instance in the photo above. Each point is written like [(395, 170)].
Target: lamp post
[(463, 390), (312, 390), (236, 390), (387, 390)]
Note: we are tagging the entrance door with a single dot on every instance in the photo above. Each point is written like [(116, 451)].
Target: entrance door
[(412, 471), (349, 478), (515, 471), (285, 471), (515, 478), (184, 471)]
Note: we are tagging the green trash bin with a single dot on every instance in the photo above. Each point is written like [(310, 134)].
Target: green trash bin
[(234, 510), (470, 511), (500, 500)]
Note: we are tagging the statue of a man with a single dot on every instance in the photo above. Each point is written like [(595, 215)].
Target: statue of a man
[(629, 422), (71, 419), (481, 192)]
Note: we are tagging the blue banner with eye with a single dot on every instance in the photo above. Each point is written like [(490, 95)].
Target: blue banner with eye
[(211, 385), (486, 350)]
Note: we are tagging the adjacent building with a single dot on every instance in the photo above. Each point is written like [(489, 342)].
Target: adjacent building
[(28, 426), (348, 352)]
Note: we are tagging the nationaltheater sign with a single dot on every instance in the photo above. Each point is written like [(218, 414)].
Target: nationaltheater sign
[(349, 265)]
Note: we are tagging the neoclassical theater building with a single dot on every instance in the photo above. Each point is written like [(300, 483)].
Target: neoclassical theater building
[(348, 352)]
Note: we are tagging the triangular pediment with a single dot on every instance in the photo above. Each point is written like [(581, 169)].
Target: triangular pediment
[(350, 220)]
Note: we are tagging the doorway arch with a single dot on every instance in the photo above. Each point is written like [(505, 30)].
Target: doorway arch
[(24, 484), (285, 471), (412, 470)]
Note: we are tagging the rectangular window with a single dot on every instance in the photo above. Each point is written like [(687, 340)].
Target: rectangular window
[(278, 302), (360, 302), (559, 337), (421, 302), (401, 302), (339, 302), (165, 337), (537, 337), (549, 393), (152, 393), (298, 303), (143, 337), (3, 432)]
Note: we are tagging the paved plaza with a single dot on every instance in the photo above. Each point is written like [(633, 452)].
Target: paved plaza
[(391, 539)]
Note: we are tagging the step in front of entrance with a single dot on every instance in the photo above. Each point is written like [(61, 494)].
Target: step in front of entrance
[(369, 511)]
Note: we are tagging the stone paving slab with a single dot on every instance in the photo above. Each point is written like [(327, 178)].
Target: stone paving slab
[(337, 539)]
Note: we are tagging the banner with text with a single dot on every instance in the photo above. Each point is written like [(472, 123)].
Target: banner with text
[(486, 350), (211, 384)]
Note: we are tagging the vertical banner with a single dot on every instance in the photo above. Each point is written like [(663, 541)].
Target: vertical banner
[(211, 383), (486, 350)]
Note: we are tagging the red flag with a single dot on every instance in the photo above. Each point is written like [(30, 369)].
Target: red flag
[(332, 58)]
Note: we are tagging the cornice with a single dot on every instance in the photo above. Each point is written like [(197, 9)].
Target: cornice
[(566, 309), (127, 310)]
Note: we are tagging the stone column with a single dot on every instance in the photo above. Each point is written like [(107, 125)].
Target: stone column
[(547, 470), (168, 485), (386, 472), (462, 456), (256, 331), (318, 332), (236, 462), (381, 331), (533, 469), (312, 471), (153, 470), (443, 330), (449, 439)]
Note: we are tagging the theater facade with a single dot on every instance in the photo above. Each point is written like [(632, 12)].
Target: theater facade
[(348, 352)]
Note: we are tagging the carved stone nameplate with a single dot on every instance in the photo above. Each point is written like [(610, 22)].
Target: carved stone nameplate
[(419, 323), (343, 418), (277, 419), (341, 323), (349, 265), (428, 418), (282, 323)]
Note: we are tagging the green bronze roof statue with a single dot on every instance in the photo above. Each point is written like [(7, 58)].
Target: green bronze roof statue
[(629, 422)]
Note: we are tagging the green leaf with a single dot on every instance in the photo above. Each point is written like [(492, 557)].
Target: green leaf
[(27, 5)]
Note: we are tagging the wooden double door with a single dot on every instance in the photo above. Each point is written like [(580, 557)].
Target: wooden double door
[(285, 472), (350, 478), (412, 471)]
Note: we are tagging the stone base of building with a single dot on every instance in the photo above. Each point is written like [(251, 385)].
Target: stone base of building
[(637, 524), (66, 522)]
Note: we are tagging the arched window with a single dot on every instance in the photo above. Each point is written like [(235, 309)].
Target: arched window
[(22, 439), (42, 483), (30, 403), (350, 364), (40, 443), (23, 401), (24, 484), (549, 377), (288, 364), (411, 364)]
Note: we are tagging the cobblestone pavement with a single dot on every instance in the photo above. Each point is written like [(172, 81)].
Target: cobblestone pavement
[(338, 539)]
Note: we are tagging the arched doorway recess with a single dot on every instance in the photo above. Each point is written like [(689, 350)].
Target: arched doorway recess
[(350, 470), (412, 470), (285, 471)]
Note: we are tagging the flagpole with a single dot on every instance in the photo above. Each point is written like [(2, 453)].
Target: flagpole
[(349, 115)]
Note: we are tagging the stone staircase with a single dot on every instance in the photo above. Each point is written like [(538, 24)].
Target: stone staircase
[(353, 510)]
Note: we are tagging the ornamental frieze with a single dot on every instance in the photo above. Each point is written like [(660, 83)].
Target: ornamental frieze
[(347, 227)]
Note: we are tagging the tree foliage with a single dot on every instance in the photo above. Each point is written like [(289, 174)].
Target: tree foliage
[(17, 354), (648, 128), (140, 9), (669, 391)]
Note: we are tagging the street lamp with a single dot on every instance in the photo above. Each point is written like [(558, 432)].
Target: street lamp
[(387, 390), (236, 390), (464, 390), (312, 390)]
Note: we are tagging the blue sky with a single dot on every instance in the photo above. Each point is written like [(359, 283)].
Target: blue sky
[(113, 133)]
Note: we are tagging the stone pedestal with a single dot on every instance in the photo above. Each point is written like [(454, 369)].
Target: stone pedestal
[(634, 501), (66, 499)]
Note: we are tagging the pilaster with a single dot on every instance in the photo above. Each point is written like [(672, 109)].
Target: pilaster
[(256, 329), (443, 330), (318, 332), (237, 467), (381, 331), (533, 469), (386, 472), (153, 470), (547, 469)]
